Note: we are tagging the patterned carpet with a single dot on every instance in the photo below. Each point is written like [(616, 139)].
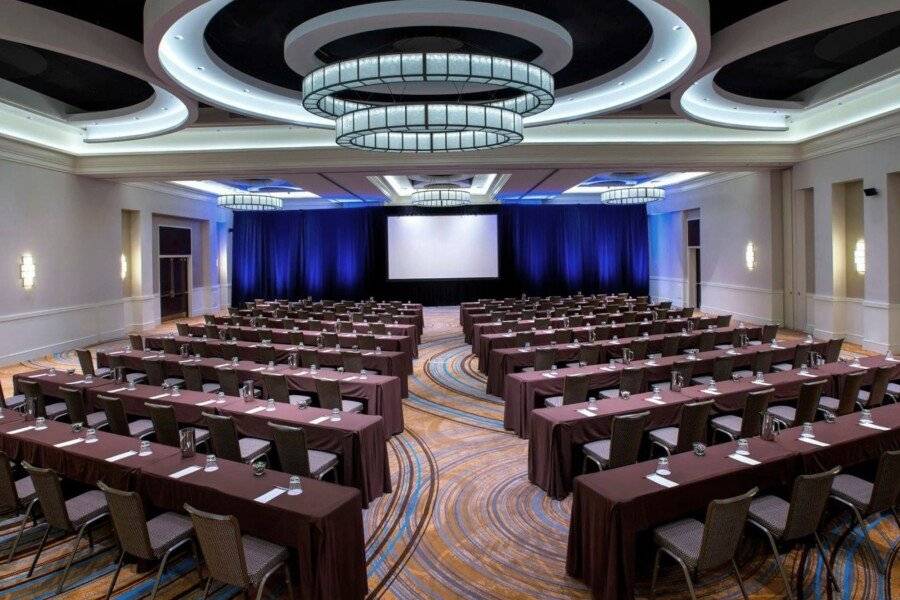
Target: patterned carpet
[(463, 521)]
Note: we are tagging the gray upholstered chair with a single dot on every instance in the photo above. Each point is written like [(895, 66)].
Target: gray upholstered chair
[(761, 362), (849, 396), (226, 443), (723, 367), (265, 355), (524, 338), (330, 339), (801, 357), (723, 320), (706, 341), (575, 390), (352, 361), (866, 499), (118, 420), (684, 368), (229, 381), (75, 407), (116, 361), (76, 515), (631, 380), (87, 364), (699, 547), (53, 410), (136, 341), (329, 393), (747, 425), (275, 386), (588, 354), (165, 425), (544, 359), (184, 329), (639, 349), (671, 345), (623, 445), (294, 455), (792, 522), (366, 341), (243, 561), (691, 429), (171, 346), (147, 540), (17, 496), (877, 392), (15, 402), (631, 329), (769, 331), (193, 380), (807, 404), (155, 370), (833, 349)]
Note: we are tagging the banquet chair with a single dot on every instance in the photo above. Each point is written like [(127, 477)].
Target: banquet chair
[(314, 325), (792, 522), (87, 365), (699, 547), (542, 323), (76, 515), (202, 349), (670, 345), (723, 367), (576, 321), (15, 402), (602, 332), (378, 328), (52, 411), (116, 361), (330, 339), (723, 320), (75, 407), (243, 561), (165, 425), (866, 499), (193, 380), (263, 334), (524, 338), (760, 363), (735, 340), (146, 540), (684, 368), (234, 333), (639, 349), (366, 341), (295, 457), (833, 349), (288, 323), (691, 429), (747, 425), (588, 354), (707, 341), (623, 445), (508, 325), (544, 359), (877, 392), (16, 496), (136, 341), (849, 396), (575, 390), (344, 327), (329, 393), (265, 354), (631, 330), (296, 338), (805, 411), (563, 336), (171, 346), (226, 443), (769, 331), (229, 381), (687, 312), (629, 317), (631, 380), (209, 319), (801, 356), (309, 357), (183, 329), (658, 328), (352, 361), (155, 370), (118, 420), (275, 386)]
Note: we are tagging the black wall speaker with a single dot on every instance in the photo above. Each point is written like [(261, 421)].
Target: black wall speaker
[(870, 192)]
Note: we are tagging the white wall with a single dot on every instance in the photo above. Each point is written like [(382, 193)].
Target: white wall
[(72, 225)]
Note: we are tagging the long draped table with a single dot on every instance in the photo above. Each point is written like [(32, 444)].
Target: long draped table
[(282, 334)]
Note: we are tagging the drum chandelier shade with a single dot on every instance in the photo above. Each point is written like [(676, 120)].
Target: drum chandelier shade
[(250, 202), (437, 197), (632, 195)]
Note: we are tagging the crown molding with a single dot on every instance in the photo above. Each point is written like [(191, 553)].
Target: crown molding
[(861, 134), (35, 156), (171, 189), (707, 180)]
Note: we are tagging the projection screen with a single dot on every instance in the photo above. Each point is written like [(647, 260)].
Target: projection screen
[(442, 247)]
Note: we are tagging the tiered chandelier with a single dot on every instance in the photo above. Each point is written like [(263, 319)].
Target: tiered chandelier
[(250, 202), (428, 127), (441, 196), (632, 195)]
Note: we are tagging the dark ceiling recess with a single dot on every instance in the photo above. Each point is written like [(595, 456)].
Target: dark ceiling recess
[(125, 17), (249, 35), (723, 13), (783, 71), (84, 85)]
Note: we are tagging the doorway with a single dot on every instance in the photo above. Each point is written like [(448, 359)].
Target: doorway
[(174, 301), (694, 277)]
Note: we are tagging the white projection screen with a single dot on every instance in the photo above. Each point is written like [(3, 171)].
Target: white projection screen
[(442, 247)]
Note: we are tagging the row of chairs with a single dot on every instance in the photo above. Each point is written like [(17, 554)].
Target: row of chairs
[(699, 547), (257, 334)]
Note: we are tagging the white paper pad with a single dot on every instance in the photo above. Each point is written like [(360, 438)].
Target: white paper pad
[(608, 369), (225, 366), (654, 400), (206, 402), (270, 495), (326, 378), (68, 443), (650, 363), (119, 457), (807, 374), (892, 359), (351, 378), (761, 383), (586, 412), (255, 410), (743, 459), (186, 361), (158, 396), (22, 430), (115, 353), (254, 345), (368, 353), (183, 472), (659, 479), (74, 382), (874, 426), (712, 393), (549, 375), (523, 350), (318, 420), (257, 369), (39, 375), (814, 442)]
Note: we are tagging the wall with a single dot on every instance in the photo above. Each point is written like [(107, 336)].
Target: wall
[(73, 226)]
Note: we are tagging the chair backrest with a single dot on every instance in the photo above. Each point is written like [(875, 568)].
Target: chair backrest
[(366, 341), (625, 439), (631, 380), (352, 361), (211, 331), (293, 452), (808, 402), (275, 386), (32, 390), (657, 328), (171, 346), (86, 361), (201, 348), (769, 331), (754, 406), (193, 380), (165, 424), (222, 546), (49, 492), (126, 509), (722, 530), (115, 414), (296, 338), (229, 382), (850, 392), (329, 393), (575, 389), (639, 348), (723, 320), (630, 329), (707, 341), (670, 346), (378, 328), (723, 367), (544, 358), (265, 354), (833, 349), (886, 488), (154, 369), (74, 403), (563, 336), (542, 323), (183, 328), (628, 317), (524, 337), (801, 355), (224, 436), (879, 386), (808, 498), (685, 369), (329, 338), (692, 427), (136, 341), (687, 312), (589, 354), (9, 498), (763, 361)]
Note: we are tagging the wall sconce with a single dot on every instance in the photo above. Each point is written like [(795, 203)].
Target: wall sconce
[(123, 269), (859, 256), (750, 256), (27, 271)]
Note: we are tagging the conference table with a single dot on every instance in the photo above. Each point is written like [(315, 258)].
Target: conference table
[(282, 334), (379, 394), (614, 511), (409, 312), (322, 526)]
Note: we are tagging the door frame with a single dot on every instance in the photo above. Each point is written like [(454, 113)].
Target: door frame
[(190, 280)]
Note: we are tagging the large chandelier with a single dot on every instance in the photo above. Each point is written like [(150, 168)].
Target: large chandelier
[(632, 195), (250, 202), (441, 196), (433, 126)]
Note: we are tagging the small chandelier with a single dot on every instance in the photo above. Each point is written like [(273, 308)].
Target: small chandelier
[(632, 195), (441, 196), (250, 202)]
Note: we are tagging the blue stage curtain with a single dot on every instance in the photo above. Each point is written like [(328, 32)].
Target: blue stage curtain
[(341, 253)]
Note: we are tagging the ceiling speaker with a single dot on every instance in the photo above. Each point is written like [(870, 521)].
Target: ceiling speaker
[(870, 192)]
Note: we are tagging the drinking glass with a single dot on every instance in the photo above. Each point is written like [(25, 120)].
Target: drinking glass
[(270, 405), (88, 378), (363, 374), (592, 403), (760, 377), (335, 414), (865, 416), (40, 424), (807, 431), (699, 448), (220, 397), (234, 361), (662, 466), (656, 395), (743, 447), (377, 349), (90, 435), (131, 384), (258, 468), (211, 464), (294, 487), (144, 448), (175, 391), (625, 394), (553, 367), (271, 366)]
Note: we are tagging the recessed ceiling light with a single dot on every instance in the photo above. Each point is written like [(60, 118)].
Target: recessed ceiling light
[(621, 83), (660, 60), (179, 37), (199, 68), (676, 28), (246, 90), (706, 99)]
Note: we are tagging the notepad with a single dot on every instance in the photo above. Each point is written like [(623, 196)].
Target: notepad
[(766, 383), (549, 375), (117, 352), (650, 363), (523, 350), (119, 457), (351, 378), (743, 459), (807, 374), (255, 410), (586, 412), (654, 400), (874, 426), (121, 389), (814, 441), (158, 396), (183, 472), (206, 402), (608, 369), (318, 420), (22, 430), (712, 393), (257, 369), (660, 480), (254, 346), (368, 353), (225, 366), (187, 361), (39, 375), (270, 495), (68, 443), (74, 382)]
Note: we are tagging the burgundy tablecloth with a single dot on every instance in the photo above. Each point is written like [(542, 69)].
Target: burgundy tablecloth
[(50, 383), (187, 404), (282, 335)]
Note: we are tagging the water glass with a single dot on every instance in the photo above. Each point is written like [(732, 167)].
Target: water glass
[(662, 466), (90, 435), (88, 378), (131, 384), (807, 431), (144, 448), (40, 424), (220, 397), (335, 414), (258, 468), (52, 371), (646, 334), (175, 391), (865, 417), (234, 361), (803, 369), (377, 349), (592, 403), (760, 378), (363, 374), (615, 338), (553, 367), (211, 464), (270, 405), (743, 447), (294, 487), (76, 427), (624, 394), (656, 394), (699, 449)]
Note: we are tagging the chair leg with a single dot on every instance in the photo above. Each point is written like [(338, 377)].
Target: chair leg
[(65, 573), (687, 577), (896, 518), (287, 581), (262, 584), (868, 540), (112, 583), (90, 537), (160, 571), (15, 545), (655, 574), (206, 587), (737, 575), (39, 550), (784, 577), (831, 578)]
